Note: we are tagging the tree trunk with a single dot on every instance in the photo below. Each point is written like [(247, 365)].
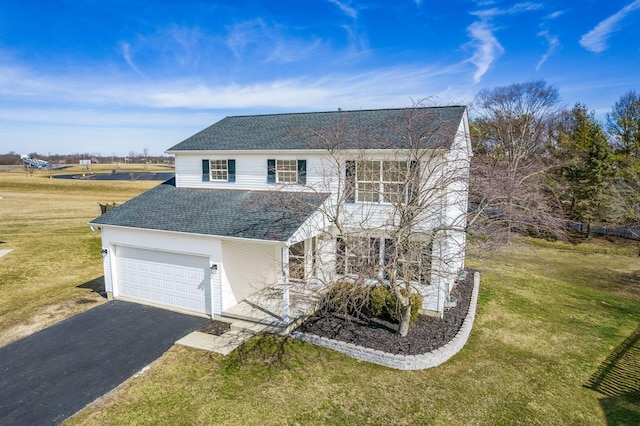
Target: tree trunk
[(405, 318), (588, 229)]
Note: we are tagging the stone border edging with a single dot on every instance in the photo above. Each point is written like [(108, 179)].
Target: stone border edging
[(404, 362)]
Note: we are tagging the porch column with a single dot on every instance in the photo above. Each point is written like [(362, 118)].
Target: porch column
[(285, 284)]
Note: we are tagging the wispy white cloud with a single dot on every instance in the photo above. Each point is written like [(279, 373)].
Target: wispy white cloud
[(346, 8), (596, 39), (553, 42), (373, 88), (126, 54), (486, 46), (553, 46)]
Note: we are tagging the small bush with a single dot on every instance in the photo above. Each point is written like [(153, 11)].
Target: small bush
[(347, 297), (357, 299), (393, 308)]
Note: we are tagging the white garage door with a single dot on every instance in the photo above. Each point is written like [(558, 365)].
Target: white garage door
[(168, 279)]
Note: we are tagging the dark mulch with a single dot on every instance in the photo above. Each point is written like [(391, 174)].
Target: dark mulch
[(426, 334), (215, 327)]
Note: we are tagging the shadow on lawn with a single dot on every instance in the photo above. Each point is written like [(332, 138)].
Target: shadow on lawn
[(96, 285), (618, 379)]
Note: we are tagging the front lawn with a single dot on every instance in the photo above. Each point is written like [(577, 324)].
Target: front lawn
[(552, 319), (55, 264)]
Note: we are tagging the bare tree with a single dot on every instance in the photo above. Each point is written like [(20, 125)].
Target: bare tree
[(396, 218), (512, 140), (623, 124)]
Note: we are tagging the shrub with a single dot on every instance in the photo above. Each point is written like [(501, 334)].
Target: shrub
[(393, 310), (348, 297), (356, 299)]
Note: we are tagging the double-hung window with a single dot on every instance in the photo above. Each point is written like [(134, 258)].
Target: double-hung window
[(381, 181), (218, 170), (287, 171)]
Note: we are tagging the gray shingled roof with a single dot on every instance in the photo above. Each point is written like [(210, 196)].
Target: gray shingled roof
[(261, 215), (365, 129)]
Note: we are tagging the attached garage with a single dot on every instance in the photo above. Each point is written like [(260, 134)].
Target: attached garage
[(199, 250), (164, 278)]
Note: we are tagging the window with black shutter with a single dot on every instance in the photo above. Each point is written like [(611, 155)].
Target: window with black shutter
[(302, 172), (271, 171), (350, 182), (231, 170), (205, 171)]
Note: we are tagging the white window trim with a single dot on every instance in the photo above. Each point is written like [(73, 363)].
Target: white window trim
[(211, 170), (294, 172), (380, 183)]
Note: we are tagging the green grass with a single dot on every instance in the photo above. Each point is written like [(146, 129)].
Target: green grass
[(551, 317), (548, 317)]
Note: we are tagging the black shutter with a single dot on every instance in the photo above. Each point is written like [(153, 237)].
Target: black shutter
[(350, 182), (231, 170), (414, 181), (205, 171), (271, 171), (341, 256), (302, 172)]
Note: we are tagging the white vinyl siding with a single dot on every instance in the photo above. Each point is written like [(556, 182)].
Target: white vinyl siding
[(248, 267), (251, 172)]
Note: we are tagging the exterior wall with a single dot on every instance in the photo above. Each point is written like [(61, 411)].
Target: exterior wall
[(242, 267), (247, 268), (251, 171)]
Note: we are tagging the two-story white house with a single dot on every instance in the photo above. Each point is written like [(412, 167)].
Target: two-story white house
[(273, 200)]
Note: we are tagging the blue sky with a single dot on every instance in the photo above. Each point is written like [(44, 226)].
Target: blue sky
[(111, 77)]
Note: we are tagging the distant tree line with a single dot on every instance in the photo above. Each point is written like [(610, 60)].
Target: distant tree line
[(13, 159), (538, 165)]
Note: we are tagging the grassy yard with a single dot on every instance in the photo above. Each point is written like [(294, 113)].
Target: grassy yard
[(55, 263), (556, 339), (550, 314)]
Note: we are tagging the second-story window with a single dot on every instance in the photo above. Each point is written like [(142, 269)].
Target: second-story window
[(219, 170), (286, 171), (381, 181)]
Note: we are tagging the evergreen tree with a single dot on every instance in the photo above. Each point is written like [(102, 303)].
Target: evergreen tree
[(589, 169)]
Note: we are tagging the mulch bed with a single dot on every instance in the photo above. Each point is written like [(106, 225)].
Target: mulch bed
[(215, 327), (425, 335)]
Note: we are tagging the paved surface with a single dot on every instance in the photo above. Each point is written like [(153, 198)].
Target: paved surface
[(120, 176), (50, 375)]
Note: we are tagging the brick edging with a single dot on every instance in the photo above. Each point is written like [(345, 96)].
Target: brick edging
[(405, 362)]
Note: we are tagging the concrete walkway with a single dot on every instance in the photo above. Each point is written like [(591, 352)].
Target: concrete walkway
[(262, 311), (5, 252)]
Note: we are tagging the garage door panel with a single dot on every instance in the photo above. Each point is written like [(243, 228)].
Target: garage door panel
[(170, 279)]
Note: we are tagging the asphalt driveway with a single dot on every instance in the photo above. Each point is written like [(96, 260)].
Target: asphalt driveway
[(50, 375)]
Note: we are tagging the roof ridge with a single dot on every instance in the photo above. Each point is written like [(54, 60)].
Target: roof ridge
[(345, 110)]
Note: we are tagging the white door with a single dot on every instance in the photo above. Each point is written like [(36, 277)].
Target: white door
[(163, 278)]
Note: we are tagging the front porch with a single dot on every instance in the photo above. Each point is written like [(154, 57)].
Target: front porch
[(280, 307), (277, 309)]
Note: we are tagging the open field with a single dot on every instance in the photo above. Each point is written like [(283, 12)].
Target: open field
[(55, 262), (65, 169), (555, 322)]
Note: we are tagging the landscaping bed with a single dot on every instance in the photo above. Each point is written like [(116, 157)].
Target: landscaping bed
[(215, 327), (425, 335)]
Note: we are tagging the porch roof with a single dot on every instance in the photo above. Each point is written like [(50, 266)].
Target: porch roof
[(258, 215)]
